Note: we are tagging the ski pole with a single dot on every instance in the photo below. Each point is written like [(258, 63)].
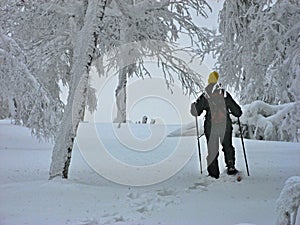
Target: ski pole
[(198, 137), (243, 146)]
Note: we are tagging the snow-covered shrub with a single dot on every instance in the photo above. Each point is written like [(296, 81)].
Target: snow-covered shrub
[(288, 202), (270, 122)]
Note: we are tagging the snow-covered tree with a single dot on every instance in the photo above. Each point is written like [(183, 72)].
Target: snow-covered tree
[(258, 46), (44, 38), (156, 25), (59, 44), (258, 55), (23, 97), (85, 43), (235, 44), (92, 38), (59, 41), (277, 39), (44, 33)]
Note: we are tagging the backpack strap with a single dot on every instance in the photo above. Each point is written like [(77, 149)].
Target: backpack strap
[(206, 95), (217, 87)]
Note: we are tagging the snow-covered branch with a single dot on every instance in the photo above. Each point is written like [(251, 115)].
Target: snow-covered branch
[(256, 49), (148, 21), (26, 99), (271, 122)]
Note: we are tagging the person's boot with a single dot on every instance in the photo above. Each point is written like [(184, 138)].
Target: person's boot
[(213, 169), (231, 170)]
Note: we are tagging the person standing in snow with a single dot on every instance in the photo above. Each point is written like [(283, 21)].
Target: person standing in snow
[(218, 105)]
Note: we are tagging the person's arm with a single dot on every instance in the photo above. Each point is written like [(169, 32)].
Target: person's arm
[(198, 106), (234, 108)]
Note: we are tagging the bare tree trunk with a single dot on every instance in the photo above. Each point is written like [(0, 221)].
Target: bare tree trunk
[(84, 49)]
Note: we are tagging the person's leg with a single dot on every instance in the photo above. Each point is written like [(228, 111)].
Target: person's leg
[(213, 168), (229, 152), (213, 153)]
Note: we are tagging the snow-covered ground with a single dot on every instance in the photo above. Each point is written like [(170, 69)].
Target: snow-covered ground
[(28, 197)]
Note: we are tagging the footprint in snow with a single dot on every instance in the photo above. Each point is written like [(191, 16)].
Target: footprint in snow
[(150, 201), (204, 182), (166, 193), (112, 218)]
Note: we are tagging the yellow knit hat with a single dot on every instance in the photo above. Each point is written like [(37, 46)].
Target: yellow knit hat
[(213, 77)]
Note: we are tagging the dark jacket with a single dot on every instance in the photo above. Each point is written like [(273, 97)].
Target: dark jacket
[(202, 103)]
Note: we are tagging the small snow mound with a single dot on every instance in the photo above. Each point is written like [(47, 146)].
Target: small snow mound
[(288, 202)]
